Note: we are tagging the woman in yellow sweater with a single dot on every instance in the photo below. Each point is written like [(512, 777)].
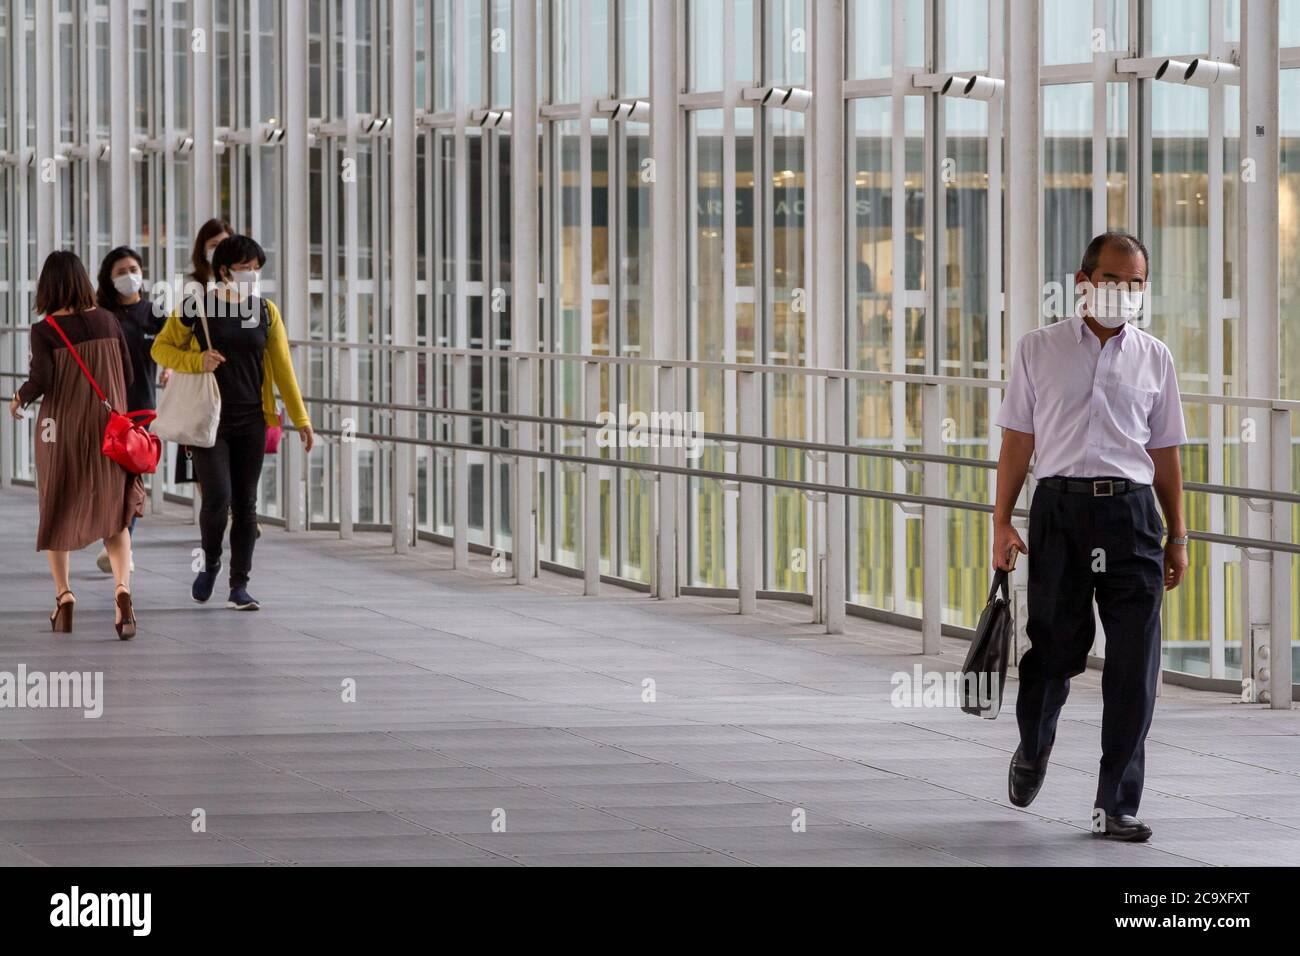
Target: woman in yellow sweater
[(249, 354)]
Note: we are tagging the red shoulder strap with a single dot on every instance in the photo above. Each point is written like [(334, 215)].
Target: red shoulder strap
[(90, 378)]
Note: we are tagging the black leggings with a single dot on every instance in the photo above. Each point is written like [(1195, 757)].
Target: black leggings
[(228, 474)]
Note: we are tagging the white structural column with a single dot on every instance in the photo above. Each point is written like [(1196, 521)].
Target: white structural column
[(203, 198), (523, 276), (350, 196), (402, 155), (1023, 127), (47, 169), (460, 317), (18, 224), (122, 207), (830, 186), (665, 269), (1258, 245), (294, 294)]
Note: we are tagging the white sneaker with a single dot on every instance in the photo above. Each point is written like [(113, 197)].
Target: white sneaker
[(105, 565)]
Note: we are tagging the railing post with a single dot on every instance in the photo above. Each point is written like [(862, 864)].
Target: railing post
[(345, 362), (1280, 678), (665, 573), (836, 507), (749, 520), (934, 561), (460, 464), (158, 479), (8, 386), (591, 482), (523, 529)]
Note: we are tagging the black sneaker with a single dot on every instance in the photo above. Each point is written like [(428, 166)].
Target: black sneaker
[(241, 600), (204, 582)]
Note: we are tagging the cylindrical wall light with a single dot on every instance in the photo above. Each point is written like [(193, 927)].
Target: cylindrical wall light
[(798, 99), (1173, 71), (983, 88), (954, 85), (1202, 72), (1199, 72)]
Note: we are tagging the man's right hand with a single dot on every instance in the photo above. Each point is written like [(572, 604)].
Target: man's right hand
[(1006, 542), (211, 359)]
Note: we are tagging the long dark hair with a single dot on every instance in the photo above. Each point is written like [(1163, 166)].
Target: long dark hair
[(202, 271), (63, 285), (106, 292)]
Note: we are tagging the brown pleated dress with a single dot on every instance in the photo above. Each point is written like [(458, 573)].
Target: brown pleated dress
[(84, 495)]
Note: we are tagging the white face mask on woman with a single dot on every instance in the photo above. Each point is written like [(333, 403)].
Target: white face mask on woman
[(1112, 306), (128, 283), (248, 282)]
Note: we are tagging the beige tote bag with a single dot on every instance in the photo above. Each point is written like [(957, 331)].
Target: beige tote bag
[(190, 408)]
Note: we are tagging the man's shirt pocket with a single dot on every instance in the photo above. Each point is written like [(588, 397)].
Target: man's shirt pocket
[(1129, 415)]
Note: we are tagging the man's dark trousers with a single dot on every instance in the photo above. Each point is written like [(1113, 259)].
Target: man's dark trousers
[(1110, 546)]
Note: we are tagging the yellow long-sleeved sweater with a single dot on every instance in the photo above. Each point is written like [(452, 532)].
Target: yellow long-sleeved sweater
[(177, 347)]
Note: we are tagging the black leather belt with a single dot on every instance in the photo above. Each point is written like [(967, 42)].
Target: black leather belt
[(1097, 487)]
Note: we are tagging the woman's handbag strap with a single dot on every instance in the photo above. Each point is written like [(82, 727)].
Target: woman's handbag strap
[(203, 317), (68, 342)]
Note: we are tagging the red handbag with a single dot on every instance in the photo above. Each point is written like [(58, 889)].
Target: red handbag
[(273, 433), (126, 441)]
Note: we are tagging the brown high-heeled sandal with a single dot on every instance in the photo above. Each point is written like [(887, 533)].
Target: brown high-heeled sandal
[(61, 619), (126, 626)]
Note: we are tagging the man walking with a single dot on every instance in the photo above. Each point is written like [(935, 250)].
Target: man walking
[(1095, 400)]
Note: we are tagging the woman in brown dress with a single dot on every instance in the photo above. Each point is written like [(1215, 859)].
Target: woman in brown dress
[(84, 495)]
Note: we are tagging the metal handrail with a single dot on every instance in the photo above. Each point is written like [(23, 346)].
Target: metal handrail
[(1265, 544), (808, 486), (696, 364), (1237, 491), (910, 378), (791, 443), (1247, 401)]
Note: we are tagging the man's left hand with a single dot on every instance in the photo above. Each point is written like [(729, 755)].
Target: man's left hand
[(1175, 565)]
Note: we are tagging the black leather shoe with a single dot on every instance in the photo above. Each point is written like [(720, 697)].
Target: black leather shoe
[(1123, 827), (1025, 777)]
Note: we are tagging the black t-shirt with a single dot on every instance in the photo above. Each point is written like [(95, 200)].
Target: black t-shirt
[(139, 326), (239, 332)]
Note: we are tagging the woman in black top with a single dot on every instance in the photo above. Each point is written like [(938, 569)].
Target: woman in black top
[(120, 291), (120, 288), (210, 235), (248, 355)]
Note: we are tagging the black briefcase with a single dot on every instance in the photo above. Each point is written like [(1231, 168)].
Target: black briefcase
[(984, 675)]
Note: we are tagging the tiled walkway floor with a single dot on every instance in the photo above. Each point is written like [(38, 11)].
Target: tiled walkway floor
[(481, 703)]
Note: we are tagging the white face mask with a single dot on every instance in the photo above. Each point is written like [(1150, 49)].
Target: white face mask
[(248, 282), (129, 283), (1112, 306)]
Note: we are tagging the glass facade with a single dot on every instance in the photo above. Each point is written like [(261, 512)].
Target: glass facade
[(923, 243)]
